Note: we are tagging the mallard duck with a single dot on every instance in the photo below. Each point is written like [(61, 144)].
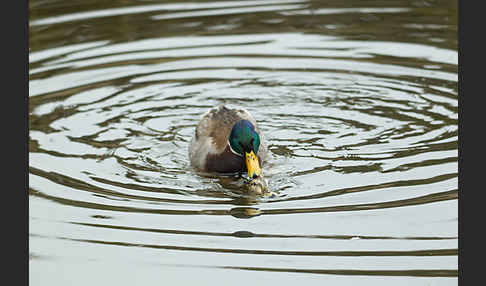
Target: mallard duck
[(228, 141)]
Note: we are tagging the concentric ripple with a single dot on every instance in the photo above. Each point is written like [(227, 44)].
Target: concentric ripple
[(362, 135)]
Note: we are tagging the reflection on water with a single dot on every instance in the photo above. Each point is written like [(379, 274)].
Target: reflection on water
[(358, 101)]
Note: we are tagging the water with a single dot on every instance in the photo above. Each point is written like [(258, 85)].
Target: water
[(358, 102)]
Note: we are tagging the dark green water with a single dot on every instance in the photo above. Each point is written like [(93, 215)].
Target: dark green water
[(358, 101)]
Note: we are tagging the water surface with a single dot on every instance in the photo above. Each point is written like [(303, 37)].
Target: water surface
[(358, 102)]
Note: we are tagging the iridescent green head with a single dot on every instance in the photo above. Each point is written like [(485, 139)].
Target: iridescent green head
[(245, 141), (243, 138)]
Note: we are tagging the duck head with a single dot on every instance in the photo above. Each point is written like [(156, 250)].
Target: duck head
[(244, 141)]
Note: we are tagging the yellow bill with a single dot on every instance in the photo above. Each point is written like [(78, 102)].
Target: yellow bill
[(252, 165)]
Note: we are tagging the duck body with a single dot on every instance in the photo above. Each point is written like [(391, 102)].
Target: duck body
[(228, 141)]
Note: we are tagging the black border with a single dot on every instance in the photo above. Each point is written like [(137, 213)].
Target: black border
[(21, 34)]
